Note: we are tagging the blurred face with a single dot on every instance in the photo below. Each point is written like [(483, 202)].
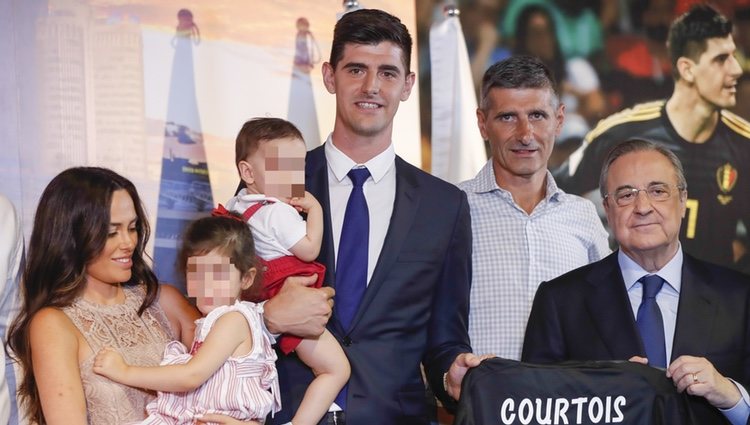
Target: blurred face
[(656, 19), (645, 227), (369, 83), (185, 19), (277, 168), (715, 74), (214, 281), (113, 264), (521, 125), (540, 39)]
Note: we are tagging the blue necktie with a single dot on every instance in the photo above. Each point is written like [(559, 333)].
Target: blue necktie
[(650, 322), (351, 262)]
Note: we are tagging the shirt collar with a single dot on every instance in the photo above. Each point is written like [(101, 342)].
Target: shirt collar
[(485, 182), (254, 197), (485, 179), (340, 164), (553, 192), (632, 271)]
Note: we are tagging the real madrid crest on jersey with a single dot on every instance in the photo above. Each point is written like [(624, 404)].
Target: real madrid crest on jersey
[(726, 178)]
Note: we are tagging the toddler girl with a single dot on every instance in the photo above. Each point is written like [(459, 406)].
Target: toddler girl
[(230, 368)]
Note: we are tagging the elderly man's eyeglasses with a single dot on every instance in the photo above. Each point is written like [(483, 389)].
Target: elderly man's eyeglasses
[(657, 192)]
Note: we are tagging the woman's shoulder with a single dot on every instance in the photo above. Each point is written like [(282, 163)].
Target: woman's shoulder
[(49, 315), (175, 305), (51, 322), (169, 294)]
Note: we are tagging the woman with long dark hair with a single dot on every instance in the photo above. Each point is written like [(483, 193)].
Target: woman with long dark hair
[(87, 285)]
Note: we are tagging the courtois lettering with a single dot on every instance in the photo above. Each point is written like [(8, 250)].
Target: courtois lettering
[(567, 411)]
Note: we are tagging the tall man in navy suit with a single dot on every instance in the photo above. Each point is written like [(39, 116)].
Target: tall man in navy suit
[(413, 300), (649, 301)]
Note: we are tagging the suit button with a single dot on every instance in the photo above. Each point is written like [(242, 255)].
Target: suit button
[(347, 341)]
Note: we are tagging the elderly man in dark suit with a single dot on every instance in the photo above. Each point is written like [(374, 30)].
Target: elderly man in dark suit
[(649, 301)]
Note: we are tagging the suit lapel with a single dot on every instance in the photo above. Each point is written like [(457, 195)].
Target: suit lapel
[(404, 211), (695, 313), (608, 304), (316, 182)]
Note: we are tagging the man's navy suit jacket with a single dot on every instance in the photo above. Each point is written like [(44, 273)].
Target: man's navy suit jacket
[(586, 315), (415, 308)]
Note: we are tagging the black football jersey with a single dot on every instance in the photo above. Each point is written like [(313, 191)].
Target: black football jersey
[(716, 172), (501, 391)]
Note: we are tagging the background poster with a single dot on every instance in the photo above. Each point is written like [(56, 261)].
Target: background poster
[(158, 90)]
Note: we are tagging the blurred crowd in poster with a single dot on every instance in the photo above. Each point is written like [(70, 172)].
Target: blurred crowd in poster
[(607, 54), (158, 90)]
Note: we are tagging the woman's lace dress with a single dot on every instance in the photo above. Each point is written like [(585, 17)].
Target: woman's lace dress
[(140, 340)]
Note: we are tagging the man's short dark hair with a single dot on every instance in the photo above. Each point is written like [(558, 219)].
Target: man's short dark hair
[(517, 72), (689, 33), (370, 26)]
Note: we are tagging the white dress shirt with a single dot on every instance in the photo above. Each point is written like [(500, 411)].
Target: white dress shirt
[(379, 190), (380, 193)]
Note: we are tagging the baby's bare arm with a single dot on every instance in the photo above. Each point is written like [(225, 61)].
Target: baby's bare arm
[(308, 248)]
